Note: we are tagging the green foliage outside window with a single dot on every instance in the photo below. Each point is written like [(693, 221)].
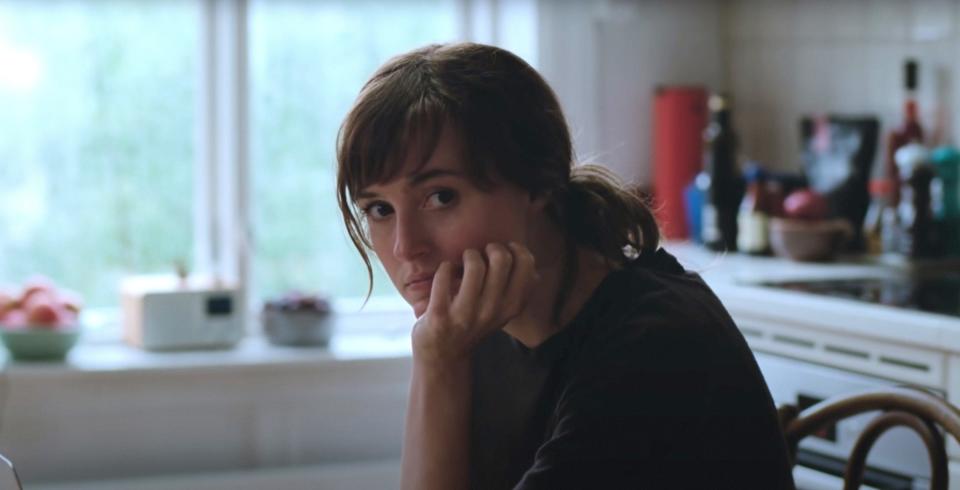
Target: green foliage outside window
[(96, 140)]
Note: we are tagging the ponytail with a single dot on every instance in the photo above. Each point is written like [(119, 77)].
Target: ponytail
[(602, 214)]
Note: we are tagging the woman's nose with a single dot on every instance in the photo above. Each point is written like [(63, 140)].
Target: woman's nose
[(411, 239)]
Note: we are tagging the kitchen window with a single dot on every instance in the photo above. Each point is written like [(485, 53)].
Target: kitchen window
[(138, 135), (96, 140), (308, 61)]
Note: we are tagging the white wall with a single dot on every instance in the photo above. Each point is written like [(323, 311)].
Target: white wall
[(64, 425), (780, 59), (790, 58), (605, 58)]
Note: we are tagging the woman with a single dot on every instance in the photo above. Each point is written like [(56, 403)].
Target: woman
[(557, 346)]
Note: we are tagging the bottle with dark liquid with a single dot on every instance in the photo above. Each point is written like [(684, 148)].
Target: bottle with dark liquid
[(919, 237), (720, 181), (909, 132)]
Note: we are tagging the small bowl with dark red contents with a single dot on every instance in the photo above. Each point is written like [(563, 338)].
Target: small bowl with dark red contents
[(298, 320)]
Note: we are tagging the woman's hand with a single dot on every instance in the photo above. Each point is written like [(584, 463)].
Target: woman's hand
[(491, 294), (436, 452)]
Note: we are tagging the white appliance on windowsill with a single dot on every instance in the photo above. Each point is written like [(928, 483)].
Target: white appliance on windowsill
[(168, 312)]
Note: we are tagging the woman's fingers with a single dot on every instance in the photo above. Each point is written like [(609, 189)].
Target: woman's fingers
[(491, 292), (474, 273), (522, 277), (440, 289), (499, 264)]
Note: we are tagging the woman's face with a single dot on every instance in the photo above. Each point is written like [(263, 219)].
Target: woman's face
[(434, 213)]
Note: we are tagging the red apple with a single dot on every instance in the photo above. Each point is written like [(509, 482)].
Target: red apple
[(805, 204), (71, 300), (37, 285), (16, 318), (8, 301), (67, 317), (38, 296), (43, 313)]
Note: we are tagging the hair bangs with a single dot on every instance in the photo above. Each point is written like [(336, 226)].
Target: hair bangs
[(378, 149), (389, 125)]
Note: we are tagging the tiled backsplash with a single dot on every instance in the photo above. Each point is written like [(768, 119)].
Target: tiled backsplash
[(785, 59)]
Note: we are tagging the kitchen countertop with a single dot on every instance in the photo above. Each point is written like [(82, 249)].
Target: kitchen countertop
[(734, 278)]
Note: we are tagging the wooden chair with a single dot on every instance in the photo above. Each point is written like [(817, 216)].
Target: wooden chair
[(926, 414)]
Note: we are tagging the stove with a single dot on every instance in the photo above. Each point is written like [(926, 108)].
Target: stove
[(938, 293)]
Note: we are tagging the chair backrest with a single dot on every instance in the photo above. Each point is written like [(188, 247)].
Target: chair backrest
[(923, 412)]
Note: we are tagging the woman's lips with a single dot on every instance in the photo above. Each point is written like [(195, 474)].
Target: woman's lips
[(420, 285), (424, 284)]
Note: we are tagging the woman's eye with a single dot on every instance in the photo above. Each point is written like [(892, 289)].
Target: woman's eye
[(377, 210), (442, 198)]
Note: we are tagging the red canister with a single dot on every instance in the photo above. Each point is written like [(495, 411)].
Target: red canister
[(679, 118)]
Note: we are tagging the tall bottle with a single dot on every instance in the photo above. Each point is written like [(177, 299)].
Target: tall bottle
[(910, 131), (919, 235), (721, 181)]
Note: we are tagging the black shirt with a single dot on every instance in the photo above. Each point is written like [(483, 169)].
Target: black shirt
[(650, 386)]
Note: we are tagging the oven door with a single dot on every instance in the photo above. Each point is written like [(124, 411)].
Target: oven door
[(897, 460)]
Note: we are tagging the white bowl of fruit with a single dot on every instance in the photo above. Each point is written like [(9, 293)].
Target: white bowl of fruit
[(40, 322)]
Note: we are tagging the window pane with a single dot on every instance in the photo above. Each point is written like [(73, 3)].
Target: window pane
[(96, 140), (308, 61)]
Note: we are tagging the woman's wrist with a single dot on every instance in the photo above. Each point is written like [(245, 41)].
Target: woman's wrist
[(436, 440), (441, 368)]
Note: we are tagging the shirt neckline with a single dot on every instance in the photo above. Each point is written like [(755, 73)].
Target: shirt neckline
[(556, 345)]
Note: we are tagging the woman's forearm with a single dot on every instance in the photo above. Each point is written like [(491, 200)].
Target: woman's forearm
[(436, 441)]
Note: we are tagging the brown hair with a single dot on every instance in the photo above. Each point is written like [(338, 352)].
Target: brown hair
[(512, 128)]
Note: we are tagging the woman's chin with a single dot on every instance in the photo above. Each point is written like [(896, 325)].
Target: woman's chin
[(420, 307)]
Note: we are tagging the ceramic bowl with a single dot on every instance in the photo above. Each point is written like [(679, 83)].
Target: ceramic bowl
[(297, 328), (35, 343), (808, 240)]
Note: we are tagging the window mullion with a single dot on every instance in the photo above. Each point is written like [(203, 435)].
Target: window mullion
[(224, 143), (205, 167)]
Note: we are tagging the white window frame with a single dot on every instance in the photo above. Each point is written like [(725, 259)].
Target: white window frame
[(221, 213), (222, 226), (221, 194)]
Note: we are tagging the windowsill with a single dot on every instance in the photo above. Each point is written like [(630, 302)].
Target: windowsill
[(365, 336)]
